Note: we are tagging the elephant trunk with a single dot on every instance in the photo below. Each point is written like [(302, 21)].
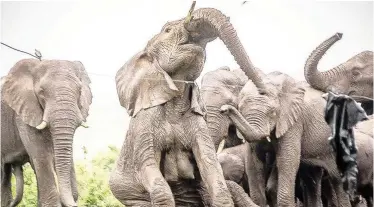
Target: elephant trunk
[(253, 128), (214, 23), (63, 143), (321, 80), (63, 122), (215, 125)]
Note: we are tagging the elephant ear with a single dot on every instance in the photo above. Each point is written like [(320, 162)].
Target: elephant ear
[(85, 98), (18, 92), (291, 101), (142, 83)]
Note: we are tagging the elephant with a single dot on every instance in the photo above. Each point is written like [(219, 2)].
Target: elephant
[(287, 113), (353, 77), (168, 157), (43, 103), (220, 87), (232, 160)]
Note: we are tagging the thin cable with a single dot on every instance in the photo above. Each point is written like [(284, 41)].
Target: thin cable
[(37, 55)]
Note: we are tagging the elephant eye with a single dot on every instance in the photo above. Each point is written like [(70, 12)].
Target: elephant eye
[(167, 30), (355, 73)]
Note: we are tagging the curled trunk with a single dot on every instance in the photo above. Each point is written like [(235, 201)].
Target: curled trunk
[(214, 23), (252, 131), (321, 80)]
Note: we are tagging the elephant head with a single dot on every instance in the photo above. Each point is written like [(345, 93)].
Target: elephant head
[(179, 46), (220, 87), (262, 114), (353, 77), (51, 96)]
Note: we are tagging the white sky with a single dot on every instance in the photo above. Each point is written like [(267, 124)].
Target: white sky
[(105, 34)]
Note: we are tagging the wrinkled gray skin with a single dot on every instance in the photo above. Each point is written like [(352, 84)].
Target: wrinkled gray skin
[(290, 114), (353, 77), (168, 157), (43, 103)]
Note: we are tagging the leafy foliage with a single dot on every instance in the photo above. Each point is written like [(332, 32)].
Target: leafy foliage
[(92, 177)]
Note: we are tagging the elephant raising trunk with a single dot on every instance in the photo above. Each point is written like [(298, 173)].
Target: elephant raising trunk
[(212, 23), (321, 80)]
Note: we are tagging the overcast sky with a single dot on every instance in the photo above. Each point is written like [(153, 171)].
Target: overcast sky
[(278, 35)]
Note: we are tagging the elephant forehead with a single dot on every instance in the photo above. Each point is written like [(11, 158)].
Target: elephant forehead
[(172, 23)]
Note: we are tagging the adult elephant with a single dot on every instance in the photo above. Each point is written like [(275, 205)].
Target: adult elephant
[(43, 103), (291, 115), (168, 155), (220, 87), (353, 77)]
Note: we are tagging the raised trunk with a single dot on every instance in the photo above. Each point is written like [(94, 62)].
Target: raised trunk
[(321, 80), (215, 23)]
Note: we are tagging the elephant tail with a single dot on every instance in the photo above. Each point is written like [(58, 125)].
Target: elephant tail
[(18, 173)]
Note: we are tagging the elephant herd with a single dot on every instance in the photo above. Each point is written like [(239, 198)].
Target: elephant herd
[(243, 138)]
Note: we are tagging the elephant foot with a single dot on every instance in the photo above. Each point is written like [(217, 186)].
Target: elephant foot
[(238, 195), (159, 195)]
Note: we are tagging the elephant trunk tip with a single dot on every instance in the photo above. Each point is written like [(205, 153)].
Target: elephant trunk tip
[(339, 35)]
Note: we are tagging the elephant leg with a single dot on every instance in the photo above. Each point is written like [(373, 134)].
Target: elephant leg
[(312, 177), (46, 182), (40, 151), (207, 162), (329, 195), (342, 196), (287, 162), (240, 198), (150, 175), (6, 185), (255, 175), (74, 187), (127, 190), (271, 187)]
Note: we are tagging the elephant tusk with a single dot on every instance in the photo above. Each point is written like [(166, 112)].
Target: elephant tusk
[(325, 95), (84, 124), (42, 125), (220, 146), (240, 136), (268, 138)]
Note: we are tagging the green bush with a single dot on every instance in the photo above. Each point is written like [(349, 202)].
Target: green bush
[(92, 176)]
